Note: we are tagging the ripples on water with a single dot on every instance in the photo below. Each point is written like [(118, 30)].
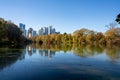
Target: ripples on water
[(65, 62)]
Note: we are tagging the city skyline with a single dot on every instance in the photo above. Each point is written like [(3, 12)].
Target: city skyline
[(65, 15), (41, 31)]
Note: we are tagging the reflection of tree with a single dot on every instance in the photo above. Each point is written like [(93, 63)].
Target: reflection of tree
[(83, 50), (10, 56), (55, 47), (66, 47), (78, 50), (87, 50), (99, 49), (113, 53), (90, 49), (49, 46)]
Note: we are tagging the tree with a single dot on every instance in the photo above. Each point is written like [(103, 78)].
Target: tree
[(118, 18), (14, 34), (90, 36), (113, 33), (111, 25), (99, 36), (10, 33), (113, 36), (80, 35), (2, 29)]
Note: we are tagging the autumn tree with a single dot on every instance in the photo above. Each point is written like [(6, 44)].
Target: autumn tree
[(90, 36), (100, 38), (113, 35), (80, 35)]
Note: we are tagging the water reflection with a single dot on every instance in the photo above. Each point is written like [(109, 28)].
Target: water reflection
[(81, 50), (42, 51), (87, 50), (47, 53), (10, 56), (114, 53), (74, 62)]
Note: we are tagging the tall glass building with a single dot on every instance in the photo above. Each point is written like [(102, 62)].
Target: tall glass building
[(22, 27)]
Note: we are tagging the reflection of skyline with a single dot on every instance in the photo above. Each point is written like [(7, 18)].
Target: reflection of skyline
[(79, 50), (31, 50), (45, 53)]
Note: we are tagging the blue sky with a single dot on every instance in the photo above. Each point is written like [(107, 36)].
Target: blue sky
[(64, 15)]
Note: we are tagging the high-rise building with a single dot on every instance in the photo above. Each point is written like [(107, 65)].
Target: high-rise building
[(49, 29), (41, 31), (45, 30), (22, 27), (30, 32), (53, 30), (34, 33)]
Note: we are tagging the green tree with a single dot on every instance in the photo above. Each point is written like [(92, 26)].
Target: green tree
[(2, 29), (10, 33), (118, 18)]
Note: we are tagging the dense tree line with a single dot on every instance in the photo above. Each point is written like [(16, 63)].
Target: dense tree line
[(84, 36), (10, 33)]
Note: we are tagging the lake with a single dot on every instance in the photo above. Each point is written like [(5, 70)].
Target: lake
[(54, 62)]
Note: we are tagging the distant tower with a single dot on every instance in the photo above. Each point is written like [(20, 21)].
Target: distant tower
[(49, 29), (41, 31), (30, 32), (22, 27), (45, 31), (34, 33), (53, 31)]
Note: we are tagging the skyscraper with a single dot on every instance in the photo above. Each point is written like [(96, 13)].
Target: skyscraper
[(22, 27), (40, 31), (53, 30), (45, 30), (30, 32), (34, 33), (49, 29)]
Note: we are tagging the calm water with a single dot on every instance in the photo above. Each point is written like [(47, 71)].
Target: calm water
[(60, 63)]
